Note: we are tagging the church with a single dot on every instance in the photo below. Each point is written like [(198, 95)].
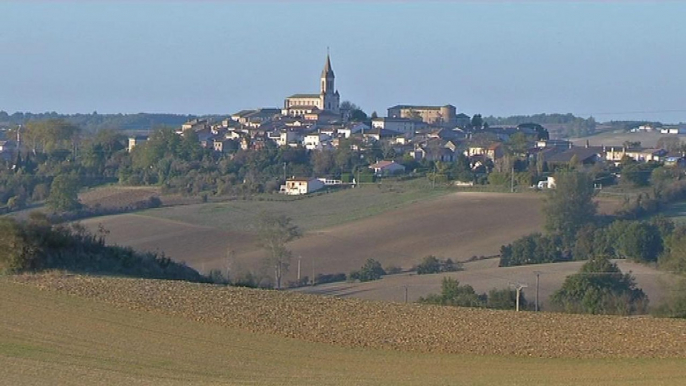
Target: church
[(326, 102)]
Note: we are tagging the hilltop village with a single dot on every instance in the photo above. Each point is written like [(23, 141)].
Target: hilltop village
[(408, 138)]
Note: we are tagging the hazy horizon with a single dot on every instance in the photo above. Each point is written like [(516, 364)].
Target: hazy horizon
[(610, 60)]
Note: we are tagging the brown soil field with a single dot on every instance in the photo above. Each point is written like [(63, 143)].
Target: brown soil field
[(50, 337), (117, 196), (383, 325), (457, 226), (485, 275)]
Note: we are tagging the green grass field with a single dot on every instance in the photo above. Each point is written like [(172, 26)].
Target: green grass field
[(312, 212), (52, 338)]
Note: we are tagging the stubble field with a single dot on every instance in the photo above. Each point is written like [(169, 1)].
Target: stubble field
[(138, 332)]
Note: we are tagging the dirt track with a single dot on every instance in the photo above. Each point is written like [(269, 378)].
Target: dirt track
[(407, 327)]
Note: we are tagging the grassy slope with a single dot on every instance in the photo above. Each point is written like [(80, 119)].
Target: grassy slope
[(50, 338), (309, 213)]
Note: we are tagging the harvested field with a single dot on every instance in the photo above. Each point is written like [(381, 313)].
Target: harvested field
[(117, 196), (404, 327), (192, 244), (53, 338), (457, 226)]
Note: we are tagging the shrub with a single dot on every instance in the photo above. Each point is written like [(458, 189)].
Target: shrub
[(371, 270), (432, 264)]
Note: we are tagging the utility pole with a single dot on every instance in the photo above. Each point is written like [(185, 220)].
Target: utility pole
[(512, 179), (405, 293), (538, 274), (299, 258), (433, 184), (313, 271)]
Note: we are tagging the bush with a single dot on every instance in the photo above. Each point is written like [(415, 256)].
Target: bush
[(329, 278), (371, 270), (432, 264)]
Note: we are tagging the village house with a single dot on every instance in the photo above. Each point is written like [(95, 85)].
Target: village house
[(406, 126), (493, 151), (387, 168), (299, 186), (135, 141)]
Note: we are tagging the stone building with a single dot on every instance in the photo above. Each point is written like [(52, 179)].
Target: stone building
[(435, 115), (327, 100)]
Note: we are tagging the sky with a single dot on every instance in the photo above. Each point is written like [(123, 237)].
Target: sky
[(610, 60)]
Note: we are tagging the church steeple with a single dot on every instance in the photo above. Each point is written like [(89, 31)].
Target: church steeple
[(328, 77)]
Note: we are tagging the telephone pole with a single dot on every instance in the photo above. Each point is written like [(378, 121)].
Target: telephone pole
[(538, 274), (512, 179)]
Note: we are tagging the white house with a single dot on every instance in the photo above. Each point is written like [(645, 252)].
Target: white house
[(387, 168), (405, 126), (286, 137), (353, 128), (315, 141), (136, 140), (298, 186)]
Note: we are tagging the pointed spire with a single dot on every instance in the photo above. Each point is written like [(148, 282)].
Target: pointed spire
[(327, 71)]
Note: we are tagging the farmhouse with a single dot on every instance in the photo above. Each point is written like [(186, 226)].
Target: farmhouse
[(299, 186), (136, 140), (387, 168)]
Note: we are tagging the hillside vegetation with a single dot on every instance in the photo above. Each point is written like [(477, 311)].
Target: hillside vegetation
[(36, 245)]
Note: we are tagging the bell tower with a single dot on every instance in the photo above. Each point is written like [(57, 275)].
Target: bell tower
[(328, 77), (329, 95)]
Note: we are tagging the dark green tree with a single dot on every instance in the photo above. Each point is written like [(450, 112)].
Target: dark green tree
[(569, 206), (600, 288), (64, 192)]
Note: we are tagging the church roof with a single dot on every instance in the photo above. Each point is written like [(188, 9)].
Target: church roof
[(327, 71), (297, 96)]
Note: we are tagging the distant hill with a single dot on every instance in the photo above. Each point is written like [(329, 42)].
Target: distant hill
[(95, 122), (559, 125)]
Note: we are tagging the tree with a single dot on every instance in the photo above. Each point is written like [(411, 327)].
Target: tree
[(600, 288), (532, 249), (569, 206), (64, 192), (432, 264), (635, 240), (477, 121), (273, 233)]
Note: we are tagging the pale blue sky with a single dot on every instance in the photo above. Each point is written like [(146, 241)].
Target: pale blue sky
[(495, 58)]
